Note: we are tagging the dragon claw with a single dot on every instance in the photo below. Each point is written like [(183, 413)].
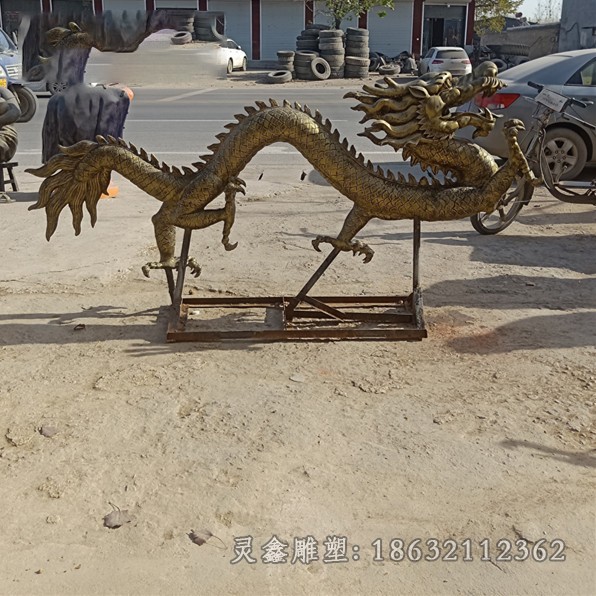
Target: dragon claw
[(192, 264), (355, 246)]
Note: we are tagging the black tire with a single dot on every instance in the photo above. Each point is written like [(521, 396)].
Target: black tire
[(389, 70), (230, 66), (310, 33), (304, 54), (500, 64), (357, 31), (285, 54), (279, 76), (331, 34), (355, 61), (320, 69), (334, 61), (181, 37), (27, 102), (564, 153), (319, 26), (303, 73), (511, 49), (355, 54), (519, 194), (306, 45), (331, 45)]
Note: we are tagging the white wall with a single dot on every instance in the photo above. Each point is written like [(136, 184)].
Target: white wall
[(117, 6), (392, 33), (281, 23)]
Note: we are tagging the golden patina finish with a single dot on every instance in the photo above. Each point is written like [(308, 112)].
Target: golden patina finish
[(415, 117)]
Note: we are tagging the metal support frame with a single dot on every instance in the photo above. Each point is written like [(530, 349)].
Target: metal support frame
[(305, 317)]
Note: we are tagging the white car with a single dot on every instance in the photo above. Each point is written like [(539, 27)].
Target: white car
[(441, 58), (232, 55)]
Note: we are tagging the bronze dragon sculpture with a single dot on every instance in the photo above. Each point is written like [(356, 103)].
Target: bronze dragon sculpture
[(416, 117)]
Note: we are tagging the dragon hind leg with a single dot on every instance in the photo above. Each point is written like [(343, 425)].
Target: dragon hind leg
[(355, 221), (165, 223)]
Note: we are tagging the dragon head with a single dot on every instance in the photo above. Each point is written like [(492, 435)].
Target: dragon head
[(423, 110)]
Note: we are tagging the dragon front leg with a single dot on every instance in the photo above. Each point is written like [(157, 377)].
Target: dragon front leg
[(355, 221)]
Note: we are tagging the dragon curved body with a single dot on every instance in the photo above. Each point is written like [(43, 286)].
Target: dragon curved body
[(415, 118)]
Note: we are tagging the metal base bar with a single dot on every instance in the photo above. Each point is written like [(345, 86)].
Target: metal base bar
[(302, 317)]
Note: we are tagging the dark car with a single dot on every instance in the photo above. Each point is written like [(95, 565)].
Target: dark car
[(569, 145)]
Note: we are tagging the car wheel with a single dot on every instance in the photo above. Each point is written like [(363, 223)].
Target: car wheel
[(565, 153), (57, 87), (244, 64), (230, 66)]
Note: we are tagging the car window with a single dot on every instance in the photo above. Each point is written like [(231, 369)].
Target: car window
[(430, 53), (585, 76), (232, 44), (452, 54), (6, 45)]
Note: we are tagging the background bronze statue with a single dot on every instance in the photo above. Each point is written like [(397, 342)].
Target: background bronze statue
[(415, 116)]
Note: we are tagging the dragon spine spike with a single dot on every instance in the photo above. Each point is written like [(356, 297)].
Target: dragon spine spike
[(176, 171), (273, 103), (188, 171), (390, 175), (122, 143), (240, 117), (250, 110), (198, 164), (133, 148), (307, 110), (165, 168), (143, 154), (112, 140), (153, 160), (370, 165), (335, 134), (400, 177), (213, 147), (206, 157), (287, 104), (262, 105), (101, 140), (345, 143), (318, 116), (221, 136), (352, 150), (423, 181), (297, 106), (360, 158), (327, 124), (412, 179), (230, 125)]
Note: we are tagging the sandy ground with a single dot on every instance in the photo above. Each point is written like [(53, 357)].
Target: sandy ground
[(485, 430)]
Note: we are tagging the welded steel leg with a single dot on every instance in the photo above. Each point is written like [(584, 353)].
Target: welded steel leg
[(177, 298), (294, 302)]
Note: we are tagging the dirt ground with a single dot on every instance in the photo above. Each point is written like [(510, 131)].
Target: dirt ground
[(483, 432)]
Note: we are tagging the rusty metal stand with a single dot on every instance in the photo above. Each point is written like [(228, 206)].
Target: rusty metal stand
[(304, 317)]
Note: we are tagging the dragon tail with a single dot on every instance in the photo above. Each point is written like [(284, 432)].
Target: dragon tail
[(62, 187)]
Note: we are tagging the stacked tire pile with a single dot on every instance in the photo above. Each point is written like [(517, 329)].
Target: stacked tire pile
[(183, 21), (303, 64), (357, 53), (331, 52), (285, 60), (204, 27), (308, 39)]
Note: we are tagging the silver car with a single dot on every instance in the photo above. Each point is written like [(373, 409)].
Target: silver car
[(569, 145), (440, 58)]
